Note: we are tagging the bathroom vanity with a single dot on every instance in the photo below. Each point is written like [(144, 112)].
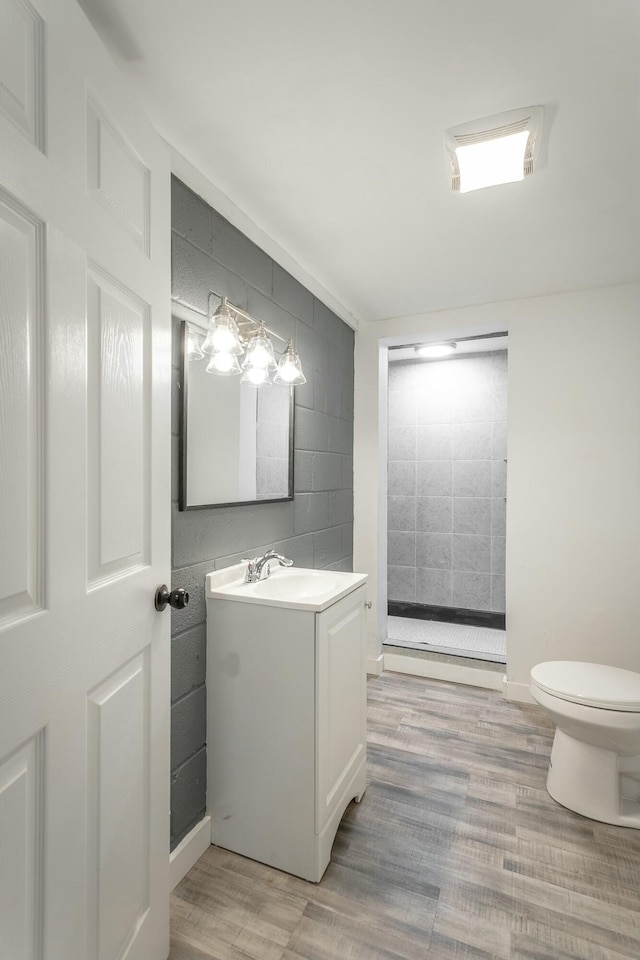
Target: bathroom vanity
[(286, 723)]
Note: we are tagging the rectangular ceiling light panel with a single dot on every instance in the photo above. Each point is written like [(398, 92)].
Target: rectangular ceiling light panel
[(494, 150)]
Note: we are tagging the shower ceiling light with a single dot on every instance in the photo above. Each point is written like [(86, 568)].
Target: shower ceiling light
[(433, 350), (231, 333)]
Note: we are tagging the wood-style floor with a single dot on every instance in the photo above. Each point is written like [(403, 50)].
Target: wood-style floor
[(456, 850)]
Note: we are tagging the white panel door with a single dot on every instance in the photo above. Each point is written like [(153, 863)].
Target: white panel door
[(84, 499)]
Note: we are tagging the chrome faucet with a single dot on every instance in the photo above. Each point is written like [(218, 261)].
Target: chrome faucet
[(260, 567)]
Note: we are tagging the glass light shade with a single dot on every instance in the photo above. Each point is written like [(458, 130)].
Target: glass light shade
[(224, 364), (492, 162), (290, 368), (194, 350), (223, 337), (256, 376), (260, 351), (436, 349)]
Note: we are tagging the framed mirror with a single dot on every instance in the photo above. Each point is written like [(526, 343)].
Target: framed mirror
[(236, 440)]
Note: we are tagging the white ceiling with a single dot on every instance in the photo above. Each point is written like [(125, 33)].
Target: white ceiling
[(323, 122)]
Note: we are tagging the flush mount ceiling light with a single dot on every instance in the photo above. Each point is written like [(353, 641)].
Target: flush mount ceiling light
[(432, 350), (494, 150), (232, 333)]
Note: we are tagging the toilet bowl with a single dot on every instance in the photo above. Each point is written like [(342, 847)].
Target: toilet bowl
[(595, 760)]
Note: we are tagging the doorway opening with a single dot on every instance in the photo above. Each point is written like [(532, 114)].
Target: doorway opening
[(446, 498)]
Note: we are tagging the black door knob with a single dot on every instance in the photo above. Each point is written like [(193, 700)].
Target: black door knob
[(178, 598)]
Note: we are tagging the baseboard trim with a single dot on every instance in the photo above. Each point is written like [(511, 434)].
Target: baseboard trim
[(518, 691), (375, 665), (189, 851), (436, 670)]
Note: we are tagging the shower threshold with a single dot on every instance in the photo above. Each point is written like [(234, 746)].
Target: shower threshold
[(453, 639)]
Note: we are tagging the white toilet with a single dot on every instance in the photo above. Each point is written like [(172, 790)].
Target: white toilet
[(595, 761)]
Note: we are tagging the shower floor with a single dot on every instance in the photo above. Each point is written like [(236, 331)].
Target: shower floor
[(457, 639)]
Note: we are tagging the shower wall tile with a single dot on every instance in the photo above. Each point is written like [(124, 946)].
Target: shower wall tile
[(434, 441), (472, 478), (434, 514), (401, 583), (433, 586), (471, 553), (498, 478), (401, 548), (434, 478), (402, 407), (498, 553), (499, 441), (401, 513), (402, 478), (447, 481), (498, 517), (472, 590), (472, 515), (434, 550), (472, 441), (498, 594), (402, 443)]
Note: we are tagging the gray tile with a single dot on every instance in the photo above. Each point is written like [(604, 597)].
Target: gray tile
[(472, 478), (188, 661), (311, 512), (188, 726), (299, 549), (434, 514), (434, 478), (190, 215), (472, 441), (340, 435), (498, 594), (277, 319), (302, 471), (347, 540), (472, 515), (498, 478), (401, 583), (194, 274), (313, 349), (498, 555), (272, 440), (498, 517), (434, 404), (402, 407), (499, 406), (274, 403), (402, 443), (328, 397), (401, 548), (433, 586), (434, 441), (328, 547), (188, 795), (499, 442), (433, 550), (230, 247), (327, 323), (311, 430), (291, 295), (402, 478), (347, 471), (340, 363), (471, 591), (345, 565), (471, 553), (473, 370), (341, 506), (272, 478), (401, 513), (326, 471), (303, 394), (473, 403)]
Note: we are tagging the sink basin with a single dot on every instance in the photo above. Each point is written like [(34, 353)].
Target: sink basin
[(298, 588)]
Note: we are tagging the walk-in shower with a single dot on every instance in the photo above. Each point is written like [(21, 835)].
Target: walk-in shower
[(446, 509)]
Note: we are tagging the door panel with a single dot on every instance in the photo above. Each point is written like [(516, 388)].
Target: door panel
[(84, 499)]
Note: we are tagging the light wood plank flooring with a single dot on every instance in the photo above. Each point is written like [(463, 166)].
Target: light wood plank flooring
[(456, 850)]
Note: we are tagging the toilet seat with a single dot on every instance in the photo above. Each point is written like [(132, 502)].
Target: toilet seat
[(591, 684)]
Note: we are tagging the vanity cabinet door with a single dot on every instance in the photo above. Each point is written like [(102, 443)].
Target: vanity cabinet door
[(340, 700)]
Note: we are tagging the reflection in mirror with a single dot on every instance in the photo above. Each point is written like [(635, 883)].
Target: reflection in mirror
[(236, 441)]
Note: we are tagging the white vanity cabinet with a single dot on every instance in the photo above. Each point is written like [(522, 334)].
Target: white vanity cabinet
[(286, 719)]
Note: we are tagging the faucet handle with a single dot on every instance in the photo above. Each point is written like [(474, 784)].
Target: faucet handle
[(250, 575)]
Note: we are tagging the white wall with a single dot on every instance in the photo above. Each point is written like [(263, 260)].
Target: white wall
[(573, 496)]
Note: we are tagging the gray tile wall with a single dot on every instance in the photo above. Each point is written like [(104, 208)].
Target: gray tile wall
[(316, 528), (447, 481)]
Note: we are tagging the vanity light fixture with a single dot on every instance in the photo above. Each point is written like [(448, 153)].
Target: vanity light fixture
[(232, 333), (494, 150), (433, 350)]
